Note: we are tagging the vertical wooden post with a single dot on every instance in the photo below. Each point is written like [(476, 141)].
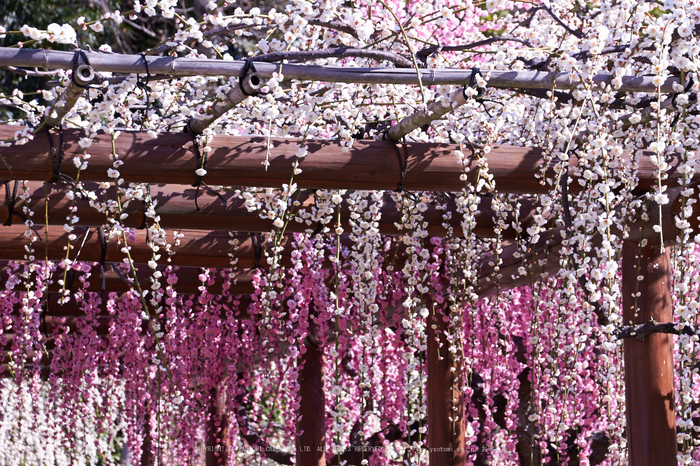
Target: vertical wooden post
[(217, 444), (147, 458), (311, 443), (446, 439), (651, 422)]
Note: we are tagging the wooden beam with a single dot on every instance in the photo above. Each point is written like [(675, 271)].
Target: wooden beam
[(188, 280), (310, 442), (177, 210), (237, 161), (446, 411), (198, 248), (649, 391)]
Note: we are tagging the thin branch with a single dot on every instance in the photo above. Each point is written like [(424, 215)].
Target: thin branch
[(573, 32), (231, 28), (426, 52), (34, 72), (337, 25), (146, 31), (339, 52), (607, 50)]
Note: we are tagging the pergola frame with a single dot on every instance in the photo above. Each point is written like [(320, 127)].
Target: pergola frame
[(368, 165)]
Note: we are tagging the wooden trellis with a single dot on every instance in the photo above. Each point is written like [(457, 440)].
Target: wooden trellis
[(169, 160)]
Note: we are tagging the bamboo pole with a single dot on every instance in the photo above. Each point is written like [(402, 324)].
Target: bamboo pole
[(248, 86), (173, 66), (237, 161), (649, 390), (84, 74), (435, 111)]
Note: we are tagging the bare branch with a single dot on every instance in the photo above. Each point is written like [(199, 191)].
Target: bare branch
[(641, 330), (573, 32), (607, 50), (35, 72), (426, 52), (339, 52), (231, 28), (337, 25)]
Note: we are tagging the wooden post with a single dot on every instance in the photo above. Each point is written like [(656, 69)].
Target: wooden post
[(446, 439), (147, 457), (651, 422), (311, 443), (217, 444)]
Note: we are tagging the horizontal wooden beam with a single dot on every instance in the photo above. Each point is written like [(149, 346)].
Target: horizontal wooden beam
[(238, 161), (188, 280), (175, 205), (176, 66), (197, 248)]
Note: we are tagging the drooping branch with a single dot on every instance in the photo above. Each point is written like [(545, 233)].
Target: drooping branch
[(356, 453)]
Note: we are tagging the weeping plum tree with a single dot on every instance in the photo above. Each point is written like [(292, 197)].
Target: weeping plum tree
[(347, 295)]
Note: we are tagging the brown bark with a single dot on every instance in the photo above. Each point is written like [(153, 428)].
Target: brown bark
[(651, 421)]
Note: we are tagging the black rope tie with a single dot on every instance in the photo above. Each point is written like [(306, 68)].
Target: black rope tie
[(144, 209), (44, 313), (57, 155), (79, 55), (11, 201), (201, 162), (103, 256), (248, 68), (256, 240), (70, 279), (143, 84), (403, 162), (480, 91), (675, 95)]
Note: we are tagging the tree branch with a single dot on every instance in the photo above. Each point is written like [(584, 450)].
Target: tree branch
[(426, 52), (253, 439), (339, 52), (641, 330), (23, 72), (337, 25), (573, 32), (355, 455)]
